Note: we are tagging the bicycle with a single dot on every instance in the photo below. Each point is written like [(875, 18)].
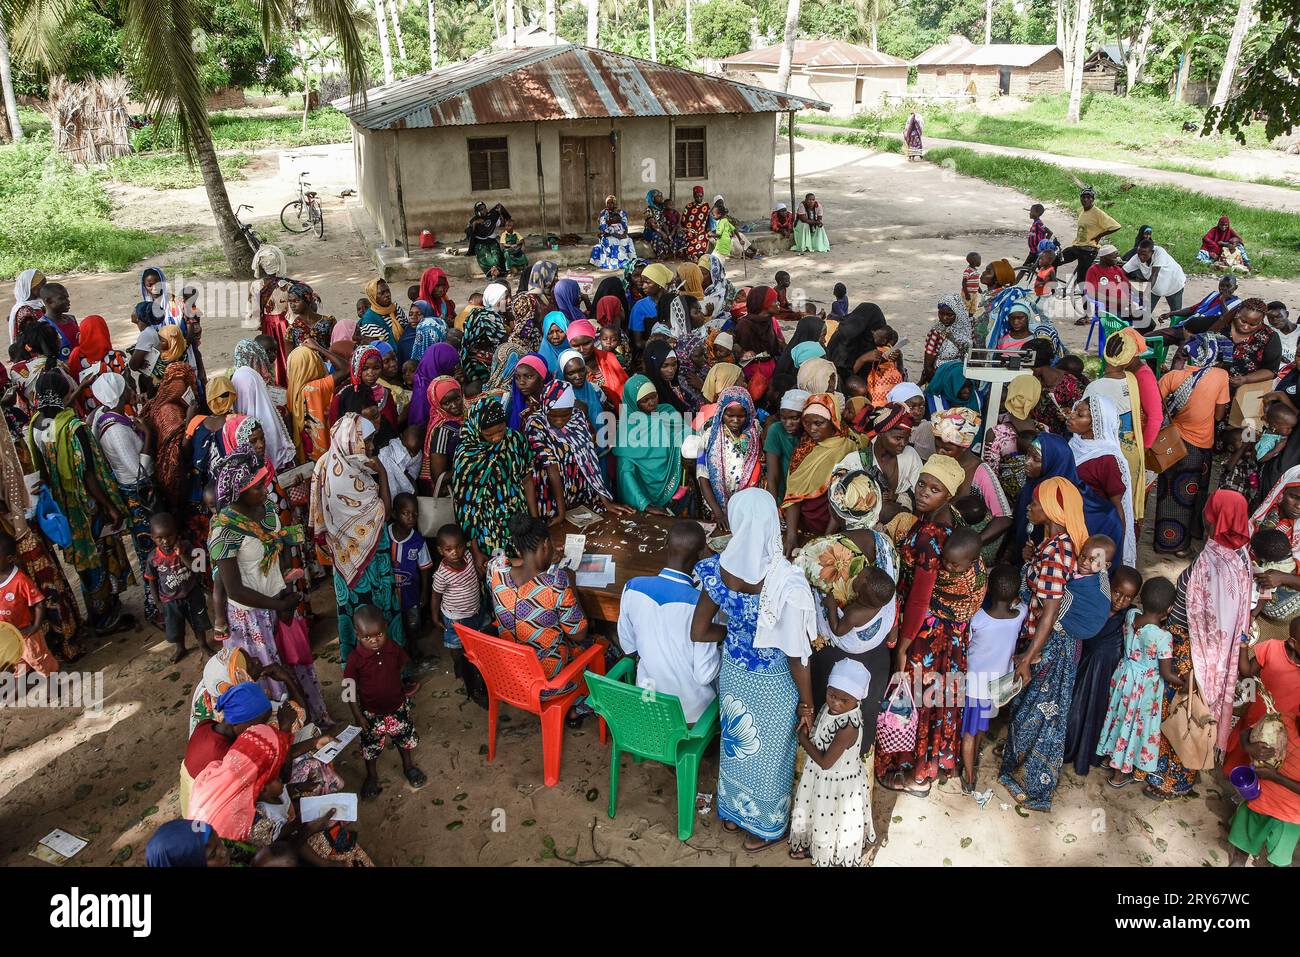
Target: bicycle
[(304, 213), (268, 260)]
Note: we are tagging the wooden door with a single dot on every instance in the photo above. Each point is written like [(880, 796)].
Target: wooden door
[(573, 185), (600, 177)]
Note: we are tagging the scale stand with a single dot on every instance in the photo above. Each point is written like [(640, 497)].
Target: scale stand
[(997, 367)]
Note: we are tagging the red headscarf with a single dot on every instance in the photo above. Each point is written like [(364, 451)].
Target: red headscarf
[(225, 793), (609, 311), (93, 344), (582, 327), (1227, 517), (429, 279)]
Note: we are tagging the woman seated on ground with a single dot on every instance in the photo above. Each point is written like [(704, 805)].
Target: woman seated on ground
[(1223, 248), (823, 446), (888, 458), (733, 454), (481, 235), (1017, 334), (535, 602), (657, 229), (614, 248), (950, 389), (810, 227)]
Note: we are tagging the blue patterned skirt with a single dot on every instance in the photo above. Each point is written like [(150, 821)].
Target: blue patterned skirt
[(1036, 738), (756, 759)]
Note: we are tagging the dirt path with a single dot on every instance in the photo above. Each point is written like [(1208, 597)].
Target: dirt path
[(900, 233), (1249, 194)]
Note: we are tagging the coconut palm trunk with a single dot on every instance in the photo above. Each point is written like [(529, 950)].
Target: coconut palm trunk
[(15, 125), (1080, 54), (386, 51), (654, 50), (593, 10), (433, 33), (1245, 14), (397, 28), (786, 62)]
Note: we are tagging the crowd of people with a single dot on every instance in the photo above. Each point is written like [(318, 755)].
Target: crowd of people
[(864, 572)]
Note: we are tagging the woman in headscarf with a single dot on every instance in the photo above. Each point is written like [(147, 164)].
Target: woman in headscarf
[(568, 299), (441, 360), (614, 248), (657, 232), (1209, 621), (1004, 450), (1121, 386), (249, 354), (938, 737), (718, 292), (695, 225), (524, 338), (1011, 316), (721, 376), (526, 386), (365, 392), (433, 293), (311, 389), (539, 285), (35, 555), (185, 843), (692, 366), (855, 335), (912, 136), (887, 457), (95, 353), (758, 333), (430, 330), (481, 236), (1061, 389), (955, 431), (950, 339), (950, 389), (817, 375), (252, 399), (349, 498), (305, 322), (822, 447), (764, 688), (733, 455), (485, 330), (383, 319), (604, 371), (442, 431), (661, 367), (1280, 509), (691, 280), (1049, 456), (807, 333), (1218, 244), (491, 477), (167, 414), (1101, 464), (555, 332), (566, 468), (28, 305), (1035, 746), (649, 453)]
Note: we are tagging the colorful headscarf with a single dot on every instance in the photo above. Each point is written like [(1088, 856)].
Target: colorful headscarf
[(960, 333), (649, 446), (542, 277), (855, 497), (551, 353), (1063, 505), (488, 477), (568, 299), (948, 381), (805, 351), (748, 444), (440, 360), (220, 395), (956, 426), (248, 353), (815, 375), (238, 472), (720, 376), (570, 446), (225, 793), (1106, 441), (656, 354), (692, 280), (811, 463), (305, 367), (346, 507), (518, 402), (1227, 518), (360, 356)]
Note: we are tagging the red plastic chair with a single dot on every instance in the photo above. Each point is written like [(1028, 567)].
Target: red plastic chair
[(514, 675)]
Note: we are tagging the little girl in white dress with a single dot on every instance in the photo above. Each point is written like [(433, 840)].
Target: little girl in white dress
[(828, 817)]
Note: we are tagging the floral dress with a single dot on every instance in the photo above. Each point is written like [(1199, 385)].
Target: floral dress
[(695, 220), (1131, 734), (758, 699), (1057, 402), (615, 248)]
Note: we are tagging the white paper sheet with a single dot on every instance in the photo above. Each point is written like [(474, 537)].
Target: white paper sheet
[(338, 807), (341, 741), (61, 842)]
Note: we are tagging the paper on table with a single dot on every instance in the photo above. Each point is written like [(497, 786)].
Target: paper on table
[(62, 843), (596, 571), (341, 741), (573, 546), (582, 517), (338, 807)]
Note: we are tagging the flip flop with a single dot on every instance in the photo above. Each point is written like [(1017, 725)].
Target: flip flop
[(764, 846)]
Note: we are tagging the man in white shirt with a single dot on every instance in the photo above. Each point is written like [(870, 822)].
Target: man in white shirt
[(654, 623), (1165, 278)]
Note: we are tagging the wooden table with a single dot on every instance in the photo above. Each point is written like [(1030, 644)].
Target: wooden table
[(607, 537)]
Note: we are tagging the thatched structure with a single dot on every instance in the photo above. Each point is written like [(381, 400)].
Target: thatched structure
[(89, 121)]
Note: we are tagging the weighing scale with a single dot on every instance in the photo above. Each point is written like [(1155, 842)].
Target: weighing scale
[(996, 367)]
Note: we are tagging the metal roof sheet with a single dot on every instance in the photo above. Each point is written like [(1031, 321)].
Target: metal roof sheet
[(819, 53), (993, 54), (564, 82)]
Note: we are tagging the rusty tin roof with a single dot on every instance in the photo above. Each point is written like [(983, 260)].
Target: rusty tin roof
[(819, 53)]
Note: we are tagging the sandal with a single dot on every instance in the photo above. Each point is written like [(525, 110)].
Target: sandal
[(416, 778), (799, 855), (914, 790), (1148, 793), (896, 776), (1128, 779), (759, 848)]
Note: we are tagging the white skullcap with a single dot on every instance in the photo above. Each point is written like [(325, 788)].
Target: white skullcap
[(793, 400), (851, 677), (108, 389)]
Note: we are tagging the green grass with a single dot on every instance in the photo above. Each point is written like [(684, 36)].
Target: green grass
[(1178, 216), (1141, 130), (871, 141), (247, 129), (170, 170), (56, 217)]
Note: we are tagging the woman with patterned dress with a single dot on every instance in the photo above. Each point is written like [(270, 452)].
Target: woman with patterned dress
[(566, 467), (733, 452), (695, 223), (764, 688), (658, 232), (1061, 390), (1035, 746), (614, 248), (490, 477), (485, 330)]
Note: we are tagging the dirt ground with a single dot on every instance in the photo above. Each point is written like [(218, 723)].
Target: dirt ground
[(900, 233)]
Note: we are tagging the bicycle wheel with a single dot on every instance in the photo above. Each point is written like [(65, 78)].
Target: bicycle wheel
[(295, 217), (319, 215)]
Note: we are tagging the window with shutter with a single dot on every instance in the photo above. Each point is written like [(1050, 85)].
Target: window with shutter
[(689, 153), (489, 163)]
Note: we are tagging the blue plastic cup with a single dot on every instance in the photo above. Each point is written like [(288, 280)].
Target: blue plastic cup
[(1245, 781)]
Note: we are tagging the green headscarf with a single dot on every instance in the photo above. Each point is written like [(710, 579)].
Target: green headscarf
[(649, 451), (948, 380)]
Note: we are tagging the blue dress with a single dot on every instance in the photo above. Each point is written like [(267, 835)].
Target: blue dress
[(757, 698)]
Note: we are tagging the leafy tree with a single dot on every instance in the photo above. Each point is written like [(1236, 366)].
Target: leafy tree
[(1270, 85), (722, 27)]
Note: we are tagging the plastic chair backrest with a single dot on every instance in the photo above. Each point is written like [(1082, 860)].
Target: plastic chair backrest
[(510, 669), (642, 721)]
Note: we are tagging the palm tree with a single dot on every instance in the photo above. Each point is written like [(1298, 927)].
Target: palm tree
[(433, 34), (1245, 14), (393, 6), (163, 38), (988, 22), (550, 20), (1076, 64), (593, 9), (385, 50), (787, 45), (690, 27), (654, 52), (7, 81)]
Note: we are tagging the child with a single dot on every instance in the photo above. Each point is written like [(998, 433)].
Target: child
[(379, 706), (782, 221), (363, 303), (1131, 736), (829, 812), (412, 568), (974, 514), (873, 589), (401, 459), (20, 606), (885, 369), (970, 282), (993, 634), (1288, 333), (458, 599), (176, 589), (1279, 422), (855, 387), (413, 294), (840, 307), (1045, 275), (512, 244), (611, 340), (1271, 551), (1097, 663), (1098, 550)]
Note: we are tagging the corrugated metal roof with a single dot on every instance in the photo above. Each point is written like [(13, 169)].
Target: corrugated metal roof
[(965, 53), (822, 53), (563, 82)]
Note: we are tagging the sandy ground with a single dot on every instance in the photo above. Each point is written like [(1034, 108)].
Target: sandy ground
[(901, 233)]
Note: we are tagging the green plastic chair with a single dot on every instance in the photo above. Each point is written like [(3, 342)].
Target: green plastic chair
[(1111, 324), (647, 725)]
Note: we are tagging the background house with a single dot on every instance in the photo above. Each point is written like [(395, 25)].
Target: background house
[(1104, 71), (987, 70), (550, 132), (849, 77)]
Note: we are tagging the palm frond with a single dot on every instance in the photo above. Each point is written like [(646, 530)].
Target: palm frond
[(163, 37), (35, 28), (343, 21)]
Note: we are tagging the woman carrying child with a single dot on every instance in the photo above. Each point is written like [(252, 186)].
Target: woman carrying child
[(1281, 510)]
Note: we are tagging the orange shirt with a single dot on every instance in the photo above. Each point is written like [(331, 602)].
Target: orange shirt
[(1196, 421), (18, 594)]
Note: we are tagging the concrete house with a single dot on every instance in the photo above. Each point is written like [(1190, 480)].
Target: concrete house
[(988, 70), (850, 77), (549, 132)]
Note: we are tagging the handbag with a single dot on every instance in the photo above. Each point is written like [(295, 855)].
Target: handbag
[(54, 524), (1167, 450), (898, 721), (1190, 728), (435, 511)]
